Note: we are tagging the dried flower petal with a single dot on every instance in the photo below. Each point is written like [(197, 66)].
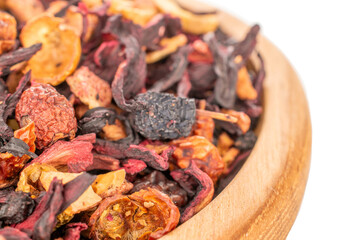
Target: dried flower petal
[(148, 214), (74, 156), (204, 190), (9, 233), (73, 231), (15, 207)]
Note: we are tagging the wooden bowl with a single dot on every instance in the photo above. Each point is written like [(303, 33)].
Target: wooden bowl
[(263, 199)]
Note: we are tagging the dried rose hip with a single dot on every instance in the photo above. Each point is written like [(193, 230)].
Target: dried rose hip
[(147, 214), (202, 152), (53, 115), (158, 181)]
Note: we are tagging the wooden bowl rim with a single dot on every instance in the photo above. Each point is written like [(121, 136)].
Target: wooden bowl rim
[(263, 199)]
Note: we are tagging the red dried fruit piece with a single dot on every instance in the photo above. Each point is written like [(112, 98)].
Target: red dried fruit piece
[(73, 231), (89, 88), (74, 156), (8, 32), (133, 166), (150, 157), (202, 152), (147, 214), (158, 181), (201, 53), (204, 189), (11, 165), (52, 113)]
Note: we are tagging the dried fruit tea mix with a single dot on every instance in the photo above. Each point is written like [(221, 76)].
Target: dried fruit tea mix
[(119, 119)]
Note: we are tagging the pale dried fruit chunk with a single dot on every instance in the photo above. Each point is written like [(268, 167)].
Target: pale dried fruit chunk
[(191, 23), (147, 214), (29, 178), (8, 32), (114, 132), (89, 88), (92, 4), (55, 7), (60, 53), (74, 18), (109, 184), (139, 11), (24, 10), (86, 201), (170, 45), (244, 88), (224, 143)]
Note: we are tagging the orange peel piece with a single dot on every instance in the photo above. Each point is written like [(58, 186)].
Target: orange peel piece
[(170, 45), (191, 23), (244, 88), (60, 53)]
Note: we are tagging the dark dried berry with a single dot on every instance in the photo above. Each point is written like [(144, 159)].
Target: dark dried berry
[(15, 207), (163, 116), (52, 113), (158, 181), (246, 141)]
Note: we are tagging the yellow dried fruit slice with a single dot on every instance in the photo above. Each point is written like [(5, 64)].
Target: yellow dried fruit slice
[(107, 184), (139, 11), (191, 23), (170, 45), (60, 52), (24, 10)]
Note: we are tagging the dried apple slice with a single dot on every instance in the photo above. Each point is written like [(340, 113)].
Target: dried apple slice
[(191, 23), (60, 53), (24, 10)]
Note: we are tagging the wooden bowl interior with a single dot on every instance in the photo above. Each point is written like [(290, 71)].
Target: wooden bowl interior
[(263, 199)]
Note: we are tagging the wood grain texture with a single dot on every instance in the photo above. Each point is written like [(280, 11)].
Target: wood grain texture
[(264, 198)]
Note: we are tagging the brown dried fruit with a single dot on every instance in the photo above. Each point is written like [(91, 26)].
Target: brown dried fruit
[(11, 165), (204, 126), (60, 52), (53, 115), (191, 23), (158, 181), (8, 32), (114, 132), (169, 46), (147, 214), (202, 151), (244, 88), (89, 88), (24, 10), (244, 121), (86, 201)]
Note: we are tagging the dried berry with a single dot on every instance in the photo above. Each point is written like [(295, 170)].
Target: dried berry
[(202, 152), (246, 141), (147, 214), (15, 207), (158, 181), (204, 189), (53, 115)]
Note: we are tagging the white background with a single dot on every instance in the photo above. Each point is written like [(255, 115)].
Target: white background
[(322, 41)]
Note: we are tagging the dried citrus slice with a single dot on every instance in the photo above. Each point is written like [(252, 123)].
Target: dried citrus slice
[(60, 53)]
